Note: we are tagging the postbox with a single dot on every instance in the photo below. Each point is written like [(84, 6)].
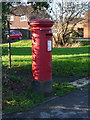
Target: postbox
[(41, 55)]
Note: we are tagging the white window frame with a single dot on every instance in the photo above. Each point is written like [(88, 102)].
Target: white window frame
[(12, 18), (23, 18)]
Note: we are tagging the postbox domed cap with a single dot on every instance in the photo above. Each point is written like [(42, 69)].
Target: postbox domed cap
[(41, 23)]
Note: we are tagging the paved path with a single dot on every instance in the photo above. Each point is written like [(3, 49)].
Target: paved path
[(73, 105)]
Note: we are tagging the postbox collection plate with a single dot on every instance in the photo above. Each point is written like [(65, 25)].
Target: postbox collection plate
[(49, 45)]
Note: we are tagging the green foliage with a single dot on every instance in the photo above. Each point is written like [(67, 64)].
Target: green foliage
[(5, 12), (75, 33), (62, 88), (39, 5)]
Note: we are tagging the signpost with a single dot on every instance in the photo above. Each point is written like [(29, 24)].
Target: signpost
[(9, 44)]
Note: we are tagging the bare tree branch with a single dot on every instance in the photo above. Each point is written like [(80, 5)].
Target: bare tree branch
[(67, 14)]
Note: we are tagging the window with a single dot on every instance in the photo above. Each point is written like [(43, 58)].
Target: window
[(12, 32), (23, 18), (11, 18), (16, 32)]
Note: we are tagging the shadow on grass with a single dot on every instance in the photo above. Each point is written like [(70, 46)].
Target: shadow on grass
[(62, 66), (76, 67), (56, 51), (71, 68), (17, 51), (70, 51), (23, 71)]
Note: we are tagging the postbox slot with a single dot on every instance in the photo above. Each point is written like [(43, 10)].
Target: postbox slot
[(49, 34), (45, 29)]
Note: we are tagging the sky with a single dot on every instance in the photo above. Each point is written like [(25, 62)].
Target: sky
[(55, 0), (45, 0), (59, 0)]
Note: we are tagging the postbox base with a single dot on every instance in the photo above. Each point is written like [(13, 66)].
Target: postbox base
[(42, 87)]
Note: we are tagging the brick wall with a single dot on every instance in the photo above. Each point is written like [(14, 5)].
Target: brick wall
[(19, 24), (87, 25)]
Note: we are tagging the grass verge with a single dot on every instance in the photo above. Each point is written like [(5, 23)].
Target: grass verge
[(26, 100), (23, 101), (17, 93), (61, 89), (66, 62)]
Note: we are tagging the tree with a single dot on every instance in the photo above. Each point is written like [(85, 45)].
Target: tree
[(6, 26), (64, 14), (8, 8), (5, 12)]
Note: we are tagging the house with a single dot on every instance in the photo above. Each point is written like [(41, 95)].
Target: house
[(84, 25), (87, 24), (79, 27), (23, 14), (20, 17), (21, 22)]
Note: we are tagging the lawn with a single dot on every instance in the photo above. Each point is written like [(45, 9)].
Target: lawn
[(17, 93), (66, 62), (70, 62)]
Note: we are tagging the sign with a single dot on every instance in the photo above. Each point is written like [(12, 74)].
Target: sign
[(49, 45)]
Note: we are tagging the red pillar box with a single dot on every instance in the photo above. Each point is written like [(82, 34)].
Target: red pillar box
[(41, 55)]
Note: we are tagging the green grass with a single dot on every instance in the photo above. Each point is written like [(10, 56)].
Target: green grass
[(70, 62), (20, 102), (85, 42), (66, 62), (61, 89), (27, 100)]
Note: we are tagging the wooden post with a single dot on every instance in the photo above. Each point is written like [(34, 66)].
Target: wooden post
[(9, 45)]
